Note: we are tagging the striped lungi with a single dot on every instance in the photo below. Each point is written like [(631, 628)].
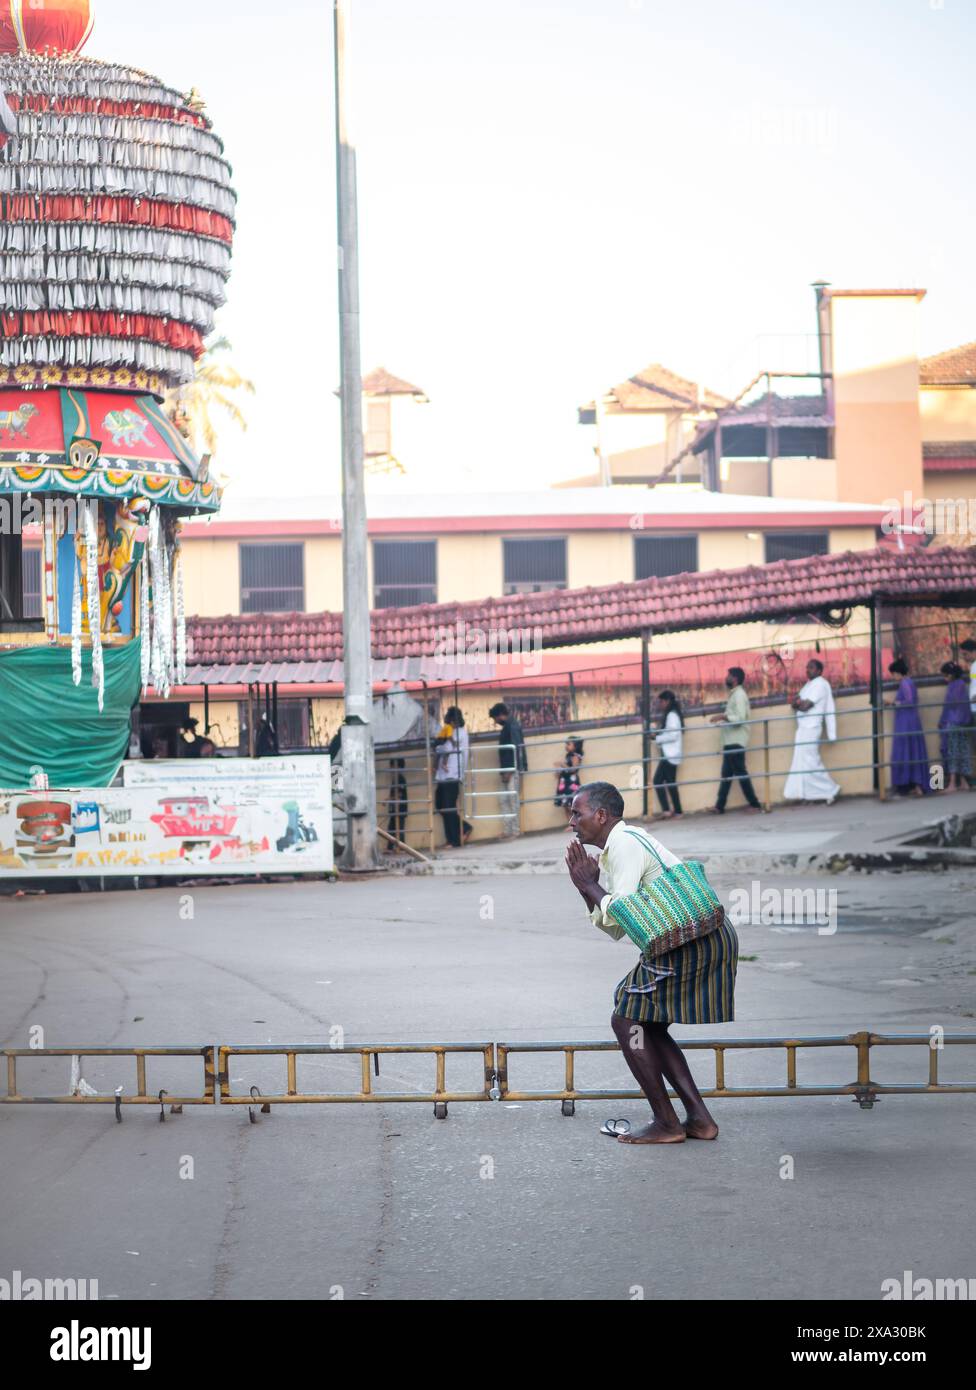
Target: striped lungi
[(693, 984)]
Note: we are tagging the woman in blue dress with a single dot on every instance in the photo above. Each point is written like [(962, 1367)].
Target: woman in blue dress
[(910, 773), (954, 723)]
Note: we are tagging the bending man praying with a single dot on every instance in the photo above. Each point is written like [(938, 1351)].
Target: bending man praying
[(693, 984)]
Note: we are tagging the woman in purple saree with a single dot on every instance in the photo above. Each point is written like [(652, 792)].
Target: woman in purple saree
[(909, 756)]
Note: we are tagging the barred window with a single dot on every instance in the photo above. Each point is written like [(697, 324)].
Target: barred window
[(533, 565), (293, 727), (32, 583), (796, 545), (404, 573), (657, 557), (20, 583), (273, 578)]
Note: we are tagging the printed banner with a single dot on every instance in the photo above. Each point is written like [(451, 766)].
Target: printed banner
[(201, 824)]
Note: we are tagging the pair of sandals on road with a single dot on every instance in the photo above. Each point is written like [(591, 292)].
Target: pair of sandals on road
[(617, 1128)]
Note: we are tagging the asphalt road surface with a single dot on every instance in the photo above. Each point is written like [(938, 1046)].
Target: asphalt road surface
[(800, 1198)]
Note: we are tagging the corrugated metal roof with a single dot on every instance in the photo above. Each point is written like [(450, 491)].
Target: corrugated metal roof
[(399, 670)]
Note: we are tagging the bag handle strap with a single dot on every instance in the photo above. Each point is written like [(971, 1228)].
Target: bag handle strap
[(638, 836)]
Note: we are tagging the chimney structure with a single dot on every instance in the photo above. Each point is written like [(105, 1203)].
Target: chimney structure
[(869, 349)]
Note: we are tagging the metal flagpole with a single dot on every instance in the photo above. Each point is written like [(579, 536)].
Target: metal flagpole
[(358, 765)]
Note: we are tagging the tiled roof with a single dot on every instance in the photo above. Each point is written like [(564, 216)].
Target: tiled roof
[(949, 368), (394, 670), (784, 411), (950, 455), (655, 388), (949, 449), (383, 383), (574, 616)]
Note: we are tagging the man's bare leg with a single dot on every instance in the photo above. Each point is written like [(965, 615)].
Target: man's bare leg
[(643, 1061), (699, 1124)]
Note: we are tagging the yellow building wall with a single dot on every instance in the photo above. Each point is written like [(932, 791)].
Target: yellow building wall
[(599, 557), (813, 479), (323, 574), (224, 723), (852, 538), (719, 550), (948, 413), (877, 436), (469, 567), (744, 477), (211, 577), (951, 486)]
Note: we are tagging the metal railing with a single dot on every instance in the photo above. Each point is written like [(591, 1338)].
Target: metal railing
[(756, 748), (81, 1094), (369, 1054), (487, 802), (495, 1065), (863, 1089)]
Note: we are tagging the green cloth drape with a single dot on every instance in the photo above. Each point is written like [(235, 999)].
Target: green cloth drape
[(46, 721)]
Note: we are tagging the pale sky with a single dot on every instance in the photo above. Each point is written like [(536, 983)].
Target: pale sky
[(554, 194)]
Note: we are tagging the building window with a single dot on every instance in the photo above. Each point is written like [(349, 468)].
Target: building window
[(404, 573), (532, 566), (32, 583), (292, 729), (796, 545), (20, 584), (657, 557), (273, 578)]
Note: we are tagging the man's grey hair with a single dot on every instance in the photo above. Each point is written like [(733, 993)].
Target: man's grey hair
[(603, 796)]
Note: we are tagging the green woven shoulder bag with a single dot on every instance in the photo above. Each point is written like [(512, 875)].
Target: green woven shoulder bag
[(679, 906)]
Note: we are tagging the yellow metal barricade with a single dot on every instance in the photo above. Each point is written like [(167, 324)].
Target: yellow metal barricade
[(369, 1054), (118, 1097), (863, 1089), (495, 1081)]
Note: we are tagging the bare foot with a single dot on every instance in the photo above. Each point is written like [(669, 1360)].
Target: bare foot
[(701, 1129), (653, 1134)]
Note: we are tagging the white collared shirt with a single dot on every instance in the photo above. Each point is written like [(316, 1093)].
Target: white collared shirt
[(625, 864)]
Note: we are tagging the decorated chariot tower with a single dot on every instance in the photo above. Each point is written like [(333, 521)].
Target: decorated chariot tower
[(116, 222)]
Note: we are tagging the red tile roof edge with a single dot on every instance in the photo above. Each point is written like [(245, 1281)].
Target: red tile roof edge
[(570, 617)]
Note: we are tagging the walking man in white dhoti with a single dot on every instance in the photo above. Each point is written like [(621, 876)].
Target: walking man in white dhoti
[(809, 780)]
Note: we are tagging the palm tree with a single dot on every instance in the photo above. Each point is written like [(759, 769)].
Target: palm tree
[(192, 407)]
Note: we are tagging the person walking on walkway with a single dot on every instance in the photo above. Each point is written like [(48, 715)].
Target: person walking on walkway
[(954, 722), (910, 773), (452, 745), (735, 736), (808, 779), (693, 984), (670, 741)]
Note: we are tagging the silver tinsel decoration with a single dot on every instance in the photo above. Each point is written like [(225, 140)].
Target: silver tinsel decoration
[(76, 624), (179, 604), (94, 600), (160, 558), (145, 612)]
